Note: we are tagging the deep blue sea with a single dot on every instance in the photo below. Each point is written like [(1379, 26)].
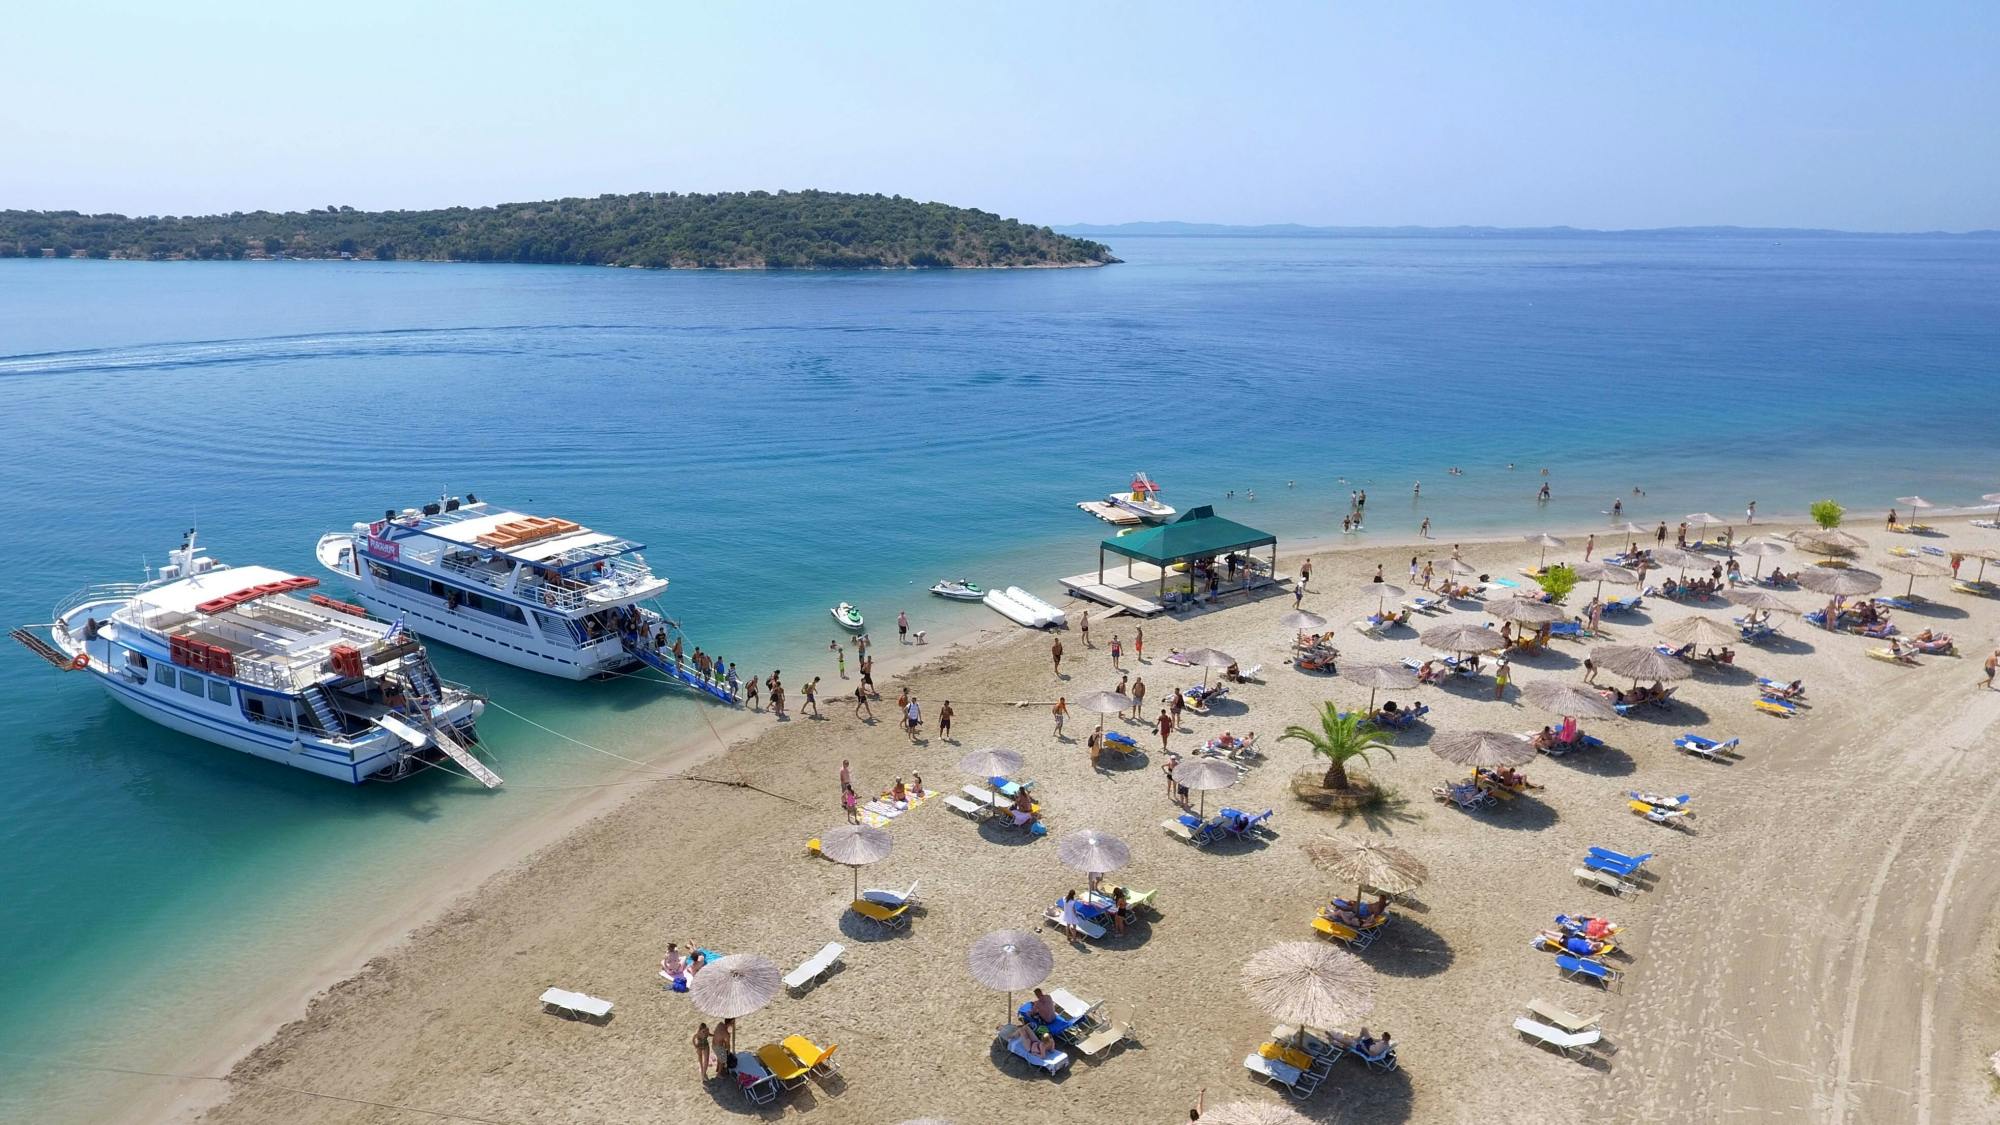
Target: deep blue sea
[(787, 441)]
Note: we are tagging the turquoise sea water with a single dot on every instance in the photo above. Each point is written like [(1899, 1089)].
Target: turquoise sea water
[(784, 442)]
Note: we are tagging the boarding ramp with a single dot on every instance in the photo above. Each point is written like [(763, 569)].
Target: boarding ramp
[(681, 674), (432, 734)]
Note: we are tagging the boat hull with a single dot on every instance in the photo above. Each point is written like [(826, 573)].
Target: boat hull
[(959, 595), (274, 746), (494, 642), (1159, 514)]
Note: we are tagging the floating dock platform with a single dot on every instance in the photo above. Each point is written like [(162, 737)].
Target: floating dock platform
[(1111, 513)]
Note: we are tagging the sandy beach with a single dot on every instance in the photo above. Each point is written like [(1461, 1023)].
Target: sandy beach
[(1818, 948)]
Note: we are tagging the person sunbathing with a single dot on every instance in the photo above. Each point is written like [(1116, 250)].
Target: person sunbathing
[(1042, 1007), (1342, 911), (695, 961), (898, 793), (673, 964), (1229, 742), (917, 786), (1512, 778), (1024, 810), (1032, 1039), (1373, 1049), (1545, 739), (1428, 674), (1724, 655)]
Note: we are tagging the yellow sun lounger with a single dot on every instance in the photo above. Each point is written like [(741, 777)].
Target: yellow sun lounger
[(783, 1067), (890, 917), (1890, 657), (1776, 707), (810, 1054)]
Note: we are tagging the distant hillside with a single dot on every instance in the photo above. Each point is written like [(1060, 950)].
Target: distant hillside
[(1295, 230), (748, 230)]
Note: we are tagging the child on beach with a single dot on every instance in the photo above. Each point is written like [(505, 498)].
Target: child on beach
[(851, 803), (701, 1051)]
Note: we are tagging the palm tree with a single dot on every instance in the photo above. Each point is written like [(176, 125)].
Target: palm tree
[(1340, 738)]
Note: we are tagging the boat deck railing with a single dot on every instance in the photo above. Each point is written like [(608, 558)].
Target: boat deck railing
[(101, 591), (621, 578)]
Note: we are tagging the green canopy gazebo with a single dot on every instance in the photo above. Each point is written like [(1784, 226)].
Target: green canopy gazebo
[(1198, 534)]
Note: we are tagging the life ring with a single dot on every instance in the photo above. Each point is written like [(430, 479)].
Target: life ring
[(81, 662)]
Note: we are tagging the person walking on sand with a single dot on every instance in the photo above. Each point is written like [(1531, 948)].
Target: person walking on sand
[(851, 804), (1138, 696), (846, 775), (902, 627), (1660, 536), (702, 1057), (1413, 568), (868, 675), (1120, 690), (1139, 644), (861, 707), (1992, 667), (1061, 713), (750, 699), (1299, 595), (1306, 571), (778, 700), (944, 721), (1117, 649), (1166, 725), (1177, 702), (1589, 545), (812, 698), (1424, 528), (1501, 674), (1085, 626), (913, 718), (1055, 654)]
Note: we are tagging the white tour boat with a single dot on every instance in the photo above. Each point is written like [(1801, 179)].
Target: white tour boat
[(1143, 500), (544, 594), (242, 657)]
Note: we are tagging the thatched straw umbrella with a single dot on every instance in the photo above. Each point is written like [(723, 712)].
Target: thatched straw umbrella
[(993, 761), (1915, 568), (1309, 984), (1525, 611), (1760, 549), (1102, 703), (1383, 591), (1602, 572), (1568, 699), (1253, 1113), (1983, 554), (1093, 852), (1208, 658), (1483, 749), (1640, 662), (1830, 541), (1840, 583), (1543, 540), (1298, 621), (855, 846), (1204, 774), (1367, 863), (1674, 556), (1375, 677), (734, 986), (1461, 638), (1698, 630), (1631, 531), (1008, 961)]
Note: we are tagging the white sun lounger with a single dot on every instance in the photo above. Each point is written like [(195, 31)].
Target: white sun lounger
[(1084, 926), (1604, 880), (1570, 1043), (1296, 1082), (893, 898), (1108, 1034), (575, 1005), (960, 805), (1562, 1017), (816, 966), (1071, 1006)]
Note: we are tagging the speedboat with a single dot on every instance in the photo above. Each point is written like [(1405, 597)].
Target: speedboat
[(1143, 500), (848, 616), (243, 657), (537, 592), (958, 590)]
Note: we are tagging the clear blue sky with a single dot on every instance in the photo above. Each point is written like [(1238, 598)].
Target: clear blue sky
[(1600, 113)]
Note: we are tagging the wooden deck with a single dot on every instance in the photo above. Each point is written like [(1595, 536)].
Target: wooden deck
[(1110, 513), (1119, 590)]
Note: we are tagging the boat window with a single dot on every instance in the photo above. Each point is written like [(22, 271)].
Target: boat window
[(191, 684), (164, 673), (218, 690)]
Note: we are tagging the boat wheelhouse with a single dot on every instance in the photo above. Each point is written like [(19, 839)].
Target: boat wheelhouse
[(1143, 500), (537, 592), (244, 657)]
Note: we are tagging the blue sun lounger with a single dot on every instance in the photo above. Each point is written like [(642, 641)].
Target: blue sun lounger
[(1572, 630), (1240, 824), (1611, 866), (1121, 738), (1624, 605), (1621, 857), (1693, 743), (1587, 969)]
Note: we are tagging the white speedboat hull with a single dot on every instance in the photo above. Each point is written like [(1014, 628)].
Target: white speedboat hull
[(959, 593)]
